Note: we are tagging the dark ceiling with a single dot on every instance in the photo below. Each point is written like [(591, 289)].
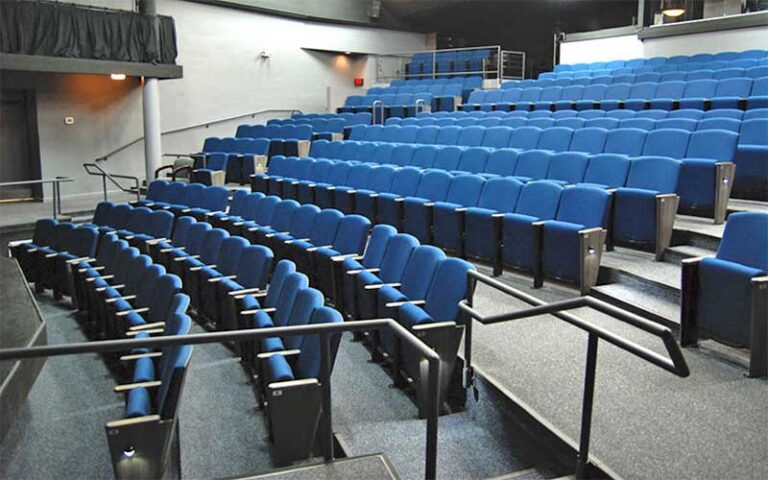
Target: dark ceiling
[(523, 25)]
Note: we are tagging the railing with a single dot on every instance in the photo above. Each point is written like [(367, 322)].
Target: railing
[(675, 364), (97, 171), (501, 64), (198, 125), (56, 189), (323, 330)]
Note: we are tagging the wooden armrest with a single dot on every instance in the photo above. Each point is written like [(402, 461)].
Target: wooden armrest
[(146, 326), (257, 310), (197, 269), (283, 353), (135, 356), (81, 259), (186, 257), (377, 286), (340, 258), (133, 333), (123, 313), (399, 304), (312, 249), (126, 298), (218, 279), (99, 268), (125, 422), (244, 291), (369, 270), (131, 386)]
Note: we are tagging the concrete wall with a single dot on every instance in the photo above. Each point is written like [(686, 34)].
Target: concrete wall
[(224, 76), (601, 49)]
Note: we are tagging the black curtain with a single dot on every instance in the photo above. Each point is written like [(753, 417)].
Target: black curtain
[(66, 30)]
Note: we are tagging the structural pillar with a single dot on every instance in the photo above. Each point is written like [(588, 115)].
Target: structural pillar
[(153, 150)]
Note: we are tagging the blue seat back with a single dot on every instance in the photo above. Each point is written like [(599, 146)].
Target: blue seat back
[(744, 240), (539, 199)]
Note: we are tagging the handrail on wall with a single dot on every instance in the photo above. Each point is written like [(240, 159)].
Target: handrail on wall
[(198, 125), (56, 189), (97, 171), (323, 330), (675, 363)]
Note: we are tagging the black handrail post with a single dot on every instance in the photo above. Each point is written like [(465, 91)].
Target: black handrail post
[(53, 200), (326, 420), (586, 410), (469, 372), (104, 185), (433, 412), (58, 193)]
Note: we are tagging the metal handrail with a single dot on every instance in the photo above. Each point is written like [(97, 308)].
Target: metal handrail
[(675, 363), (198, 125), (56, 189), (323, 330), (112, 178)]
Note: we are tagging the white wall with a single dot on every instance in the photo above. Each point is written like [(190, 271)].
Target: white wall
[(601, 49), (629, 46), (223, 76), (709, 42)]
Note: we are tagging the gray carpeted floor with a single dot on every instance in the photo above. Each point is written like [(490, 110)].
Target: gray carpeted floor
[(647, 422)]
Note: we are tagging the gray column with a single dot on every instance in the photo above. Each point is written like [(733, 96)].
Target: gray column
[(153, 150)]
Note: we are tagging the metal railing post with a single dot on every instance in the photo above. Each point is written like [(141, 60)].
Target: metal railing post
[(53, 200), (582, 461), (326, 420), (104, 186), (433, 412)]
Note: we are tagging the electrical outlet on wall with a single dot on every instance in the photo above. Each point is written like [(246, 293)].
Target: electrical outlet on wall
[(69, 120)]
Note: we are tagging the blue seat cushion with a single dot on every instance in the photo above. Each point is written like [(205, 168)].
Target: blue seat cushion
[(696, 185), (272, 344), (518, 238), (635, 215), (478, 238), (560, 252), (278, 369), (410, 315), (725, 300), (143, 370), (448, 225), (138, 403)]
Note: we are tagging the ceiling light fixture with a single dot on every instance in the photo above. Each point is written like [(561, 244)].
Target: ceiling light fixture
[(673, 8), (117, 76)]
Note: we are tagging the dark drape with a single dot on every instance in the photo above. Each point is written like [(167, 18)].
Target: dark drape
[(65, 30)]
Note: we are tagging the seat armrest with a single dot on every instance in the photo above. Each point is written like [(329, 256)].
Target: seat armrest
[(135, 310), (126, 387), (341, 258), (187, 257), (689, 261), (377, 286), (369, 270), (399, 304), (126, 422), (312, 249), (197, 269), (244, 291), (282, 353), (81, 259), (218, 279), (126, 298), (169, 250), (146, 326), (257, 310), (135, 356), (133, 333)]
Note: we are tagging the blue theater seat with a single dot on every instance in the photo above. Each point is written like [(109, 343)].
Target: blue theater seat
[(538, 201), (723, 298), (645, 208), (418, 210), (448, 215), (344, 292), (482, 223), (390, 271), (571, 243), (751, 159), (707, 173), (350, 239)]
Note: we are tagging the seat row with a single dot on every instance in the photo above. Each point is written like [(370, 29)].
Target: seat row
[(743, 93), (655, 114), (223, 275), (469, 82), (389, 105), (614, 119), (180, 198), (740, 68), (454, 61), (707, 156), (435, 206), (283, 139), (349, 118), (314, 239), (677, 60)]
